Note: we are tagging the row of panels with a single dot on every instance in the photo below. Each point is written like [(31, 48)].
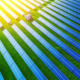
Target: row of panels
[(14, 68), (37, 51), (59, 24), (1, 77)]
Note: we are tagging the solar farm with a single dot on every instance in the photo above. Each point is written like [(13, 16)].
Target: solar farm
[(43, 46)]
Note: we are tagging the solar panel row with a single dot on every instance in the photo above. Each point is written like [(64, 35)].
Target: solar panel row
[(74, 2), (59, 24), (13, 6), (21, 5), (11, 63), (61, 44), (48, 46), (71, 4), (28, 4), (69, 7), (33, 67), (59, 32), (5, 17), (64, 14), (23, 54), (62, 19), (77, 0), (66, 10), (8, 10), (1, 77), (40, 54)]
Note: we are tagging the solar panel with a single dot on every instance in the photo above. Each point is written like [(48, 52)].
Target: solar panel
[(76, 6), (32, 45), (1, 77), (61, 44), (68, 6), (21, 5), (5, 17), (24, 56), (66, 10), (13, 6), (74, 2), (59, 24), (11, 62), (8, 10), (64, 14), (56, 30), (62, 18), (43, 41), (28, 4), (39, 44)]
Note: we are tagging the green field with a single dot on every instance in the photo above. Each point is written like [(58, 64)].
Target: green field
[(4, 68)]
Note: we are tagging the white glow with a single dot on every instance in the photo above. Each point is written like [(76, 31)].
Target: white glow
[(21, 5), (8, 10), (5, 17), (13, 6)]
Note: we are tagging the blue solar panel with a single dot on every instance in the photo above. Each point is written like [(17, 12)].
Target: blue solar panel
[(19, 49), (55, 52), (73, 54), (45, 43), (57, 31), (23, 78), (1, 77), (60, 25), (37, 51), (38, 37), (25, 57), (7, 58), (63, 35), (61, 44), (12, 40), (77, 0), (52, 37), (43, 30), (15, 69), (55, 69), (35, 69), (64, 14), (62, 59), (66, 10), (3, 50), (76, 6), (69, 65), (72, 32), (47, 62), (77, 45), (72, 1), (48, 46), (77, 73), (30, 43), (66, 37), (65, 47), (27, 60), (67, 6)]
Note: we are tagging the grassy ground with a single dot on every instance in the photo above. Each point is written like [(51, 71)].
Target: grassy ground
[(18, 60)]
